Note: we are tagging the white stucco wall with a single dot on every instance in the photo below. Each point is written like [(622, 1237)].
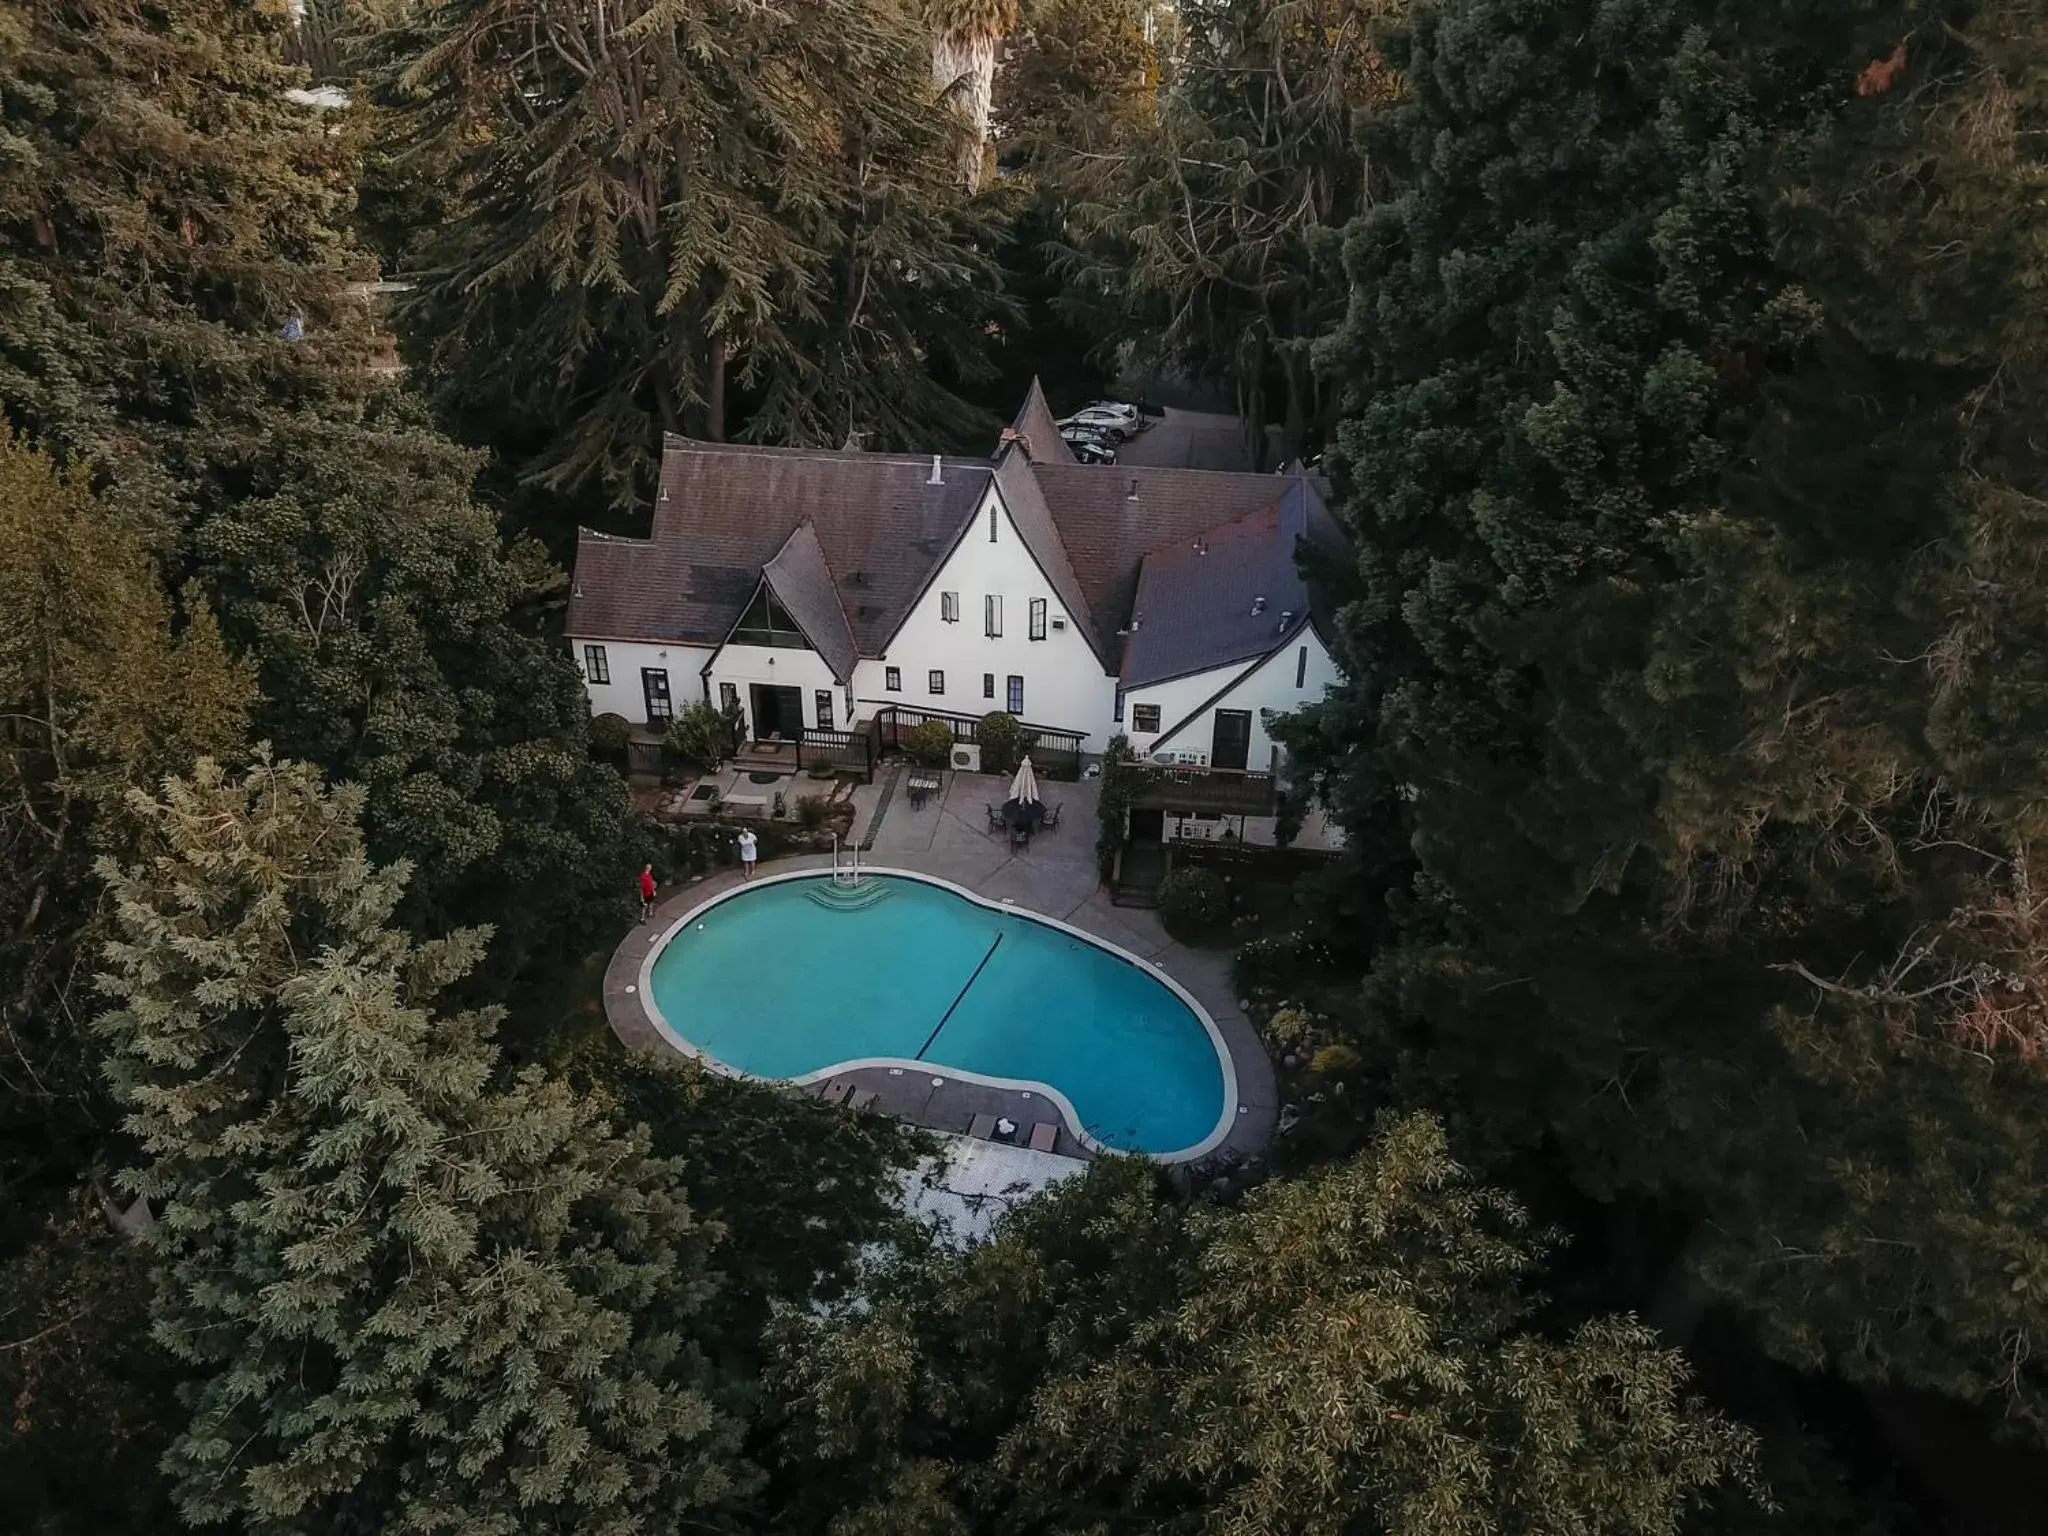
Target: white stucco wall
[(623, 694), (1271, 686), (776, 667), (1064, 685)]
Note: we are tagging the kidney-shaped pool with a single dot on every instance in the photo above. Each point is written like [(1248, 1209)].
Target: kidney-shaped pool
[(797, 978)]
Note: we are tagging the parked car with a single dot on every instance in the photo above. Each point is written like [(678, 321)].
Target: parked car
[(1092, 451), (1107, 421), (1127, 414), (1080, 432)]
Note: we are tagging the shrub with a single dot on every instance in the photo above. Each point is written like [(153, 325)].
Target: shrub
[(1334, 1061), (703, 735), (822, 771), (1194, 904), (931, 744), (1003, 742), (813, 811), (1288, 1026), (609, 737)]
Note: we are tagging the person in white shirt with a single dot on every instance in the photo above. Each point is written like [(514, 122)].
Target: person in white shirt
[(749, 850)]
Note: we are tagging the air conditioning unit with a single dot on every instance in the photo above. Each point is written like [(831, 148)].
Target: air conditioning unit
[(1173, 758), (967, 756)]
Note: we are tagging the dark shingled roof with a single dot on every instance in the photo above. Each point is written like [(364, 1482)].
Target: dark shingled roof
[(725, 510), (1107, 532), (1041, 433), (1197, 596), (803, 585), (848, 541)]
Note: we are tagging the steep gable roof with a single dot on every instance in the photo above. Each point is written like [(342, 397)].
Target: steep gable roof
[(1039, 431), (1111, 518), (1225, 594), (1018, 485), (725, 510), (803, 585)]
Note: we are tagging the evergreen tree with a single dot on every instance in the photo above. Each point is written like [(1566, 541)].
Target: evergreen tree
[(689, 218), (104, 685), (1692, 677), (166, 213), (416, 1298), (1347, 1351)]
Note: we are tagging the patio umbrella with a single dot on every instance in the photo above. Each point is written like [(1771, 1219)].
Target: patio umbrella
[(1024, 788)]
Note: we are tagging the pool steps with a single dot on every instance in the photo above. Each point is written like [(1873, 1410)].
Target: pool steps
[(847, 898)]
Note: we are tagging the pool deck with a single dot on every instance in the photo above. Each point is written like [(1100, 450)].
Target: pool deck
[(1055, 877)]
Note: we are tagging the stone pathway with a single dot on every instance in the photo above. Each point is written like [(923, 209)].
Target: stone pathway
[(1055, 877)]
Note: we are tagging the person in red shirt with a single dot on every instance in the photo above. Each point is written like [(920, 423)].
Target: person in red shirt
[(647, 893)]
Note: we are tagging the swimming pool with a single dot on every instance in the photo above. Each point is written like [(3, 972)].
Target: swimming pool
[(794, 978)]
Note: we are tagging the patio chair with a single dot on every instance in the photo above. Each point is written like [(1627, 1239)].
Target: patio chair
[(1052, 818), (836, 1091), (1044, 1135), (1020, 839), (995, 817)]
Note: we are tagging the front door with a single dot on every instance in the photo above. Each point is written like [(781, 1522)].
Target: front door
[(778, 712), (1232, 745), (654, 684)]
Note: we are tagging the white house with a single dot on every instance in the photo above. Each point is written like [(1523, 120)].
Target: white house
[(816, 589)]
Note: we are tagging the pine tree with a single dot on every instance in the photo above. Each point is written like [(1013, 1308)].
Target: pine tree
[(689, 217), (1347, 1351), (105, 684), (417, 1298)]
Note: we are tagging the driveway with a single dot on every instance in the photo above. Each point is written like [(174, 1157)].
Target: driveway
[(1055, 877), (1190, 440)]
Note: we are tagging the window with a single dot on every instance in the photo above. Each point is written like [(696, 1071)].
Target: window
[(992, 615), (949, 607), (654, 688), (767, 622), (728, 698), (1038, 618), (596, 666), (991, 523), (1144, 717), (1301, 667), (824, 697), (988, 685), (935, 682), (1016, 694), (892, 679)]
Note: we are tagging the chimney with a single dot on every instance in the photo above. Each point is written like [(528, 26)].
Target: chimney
[(936, 477)]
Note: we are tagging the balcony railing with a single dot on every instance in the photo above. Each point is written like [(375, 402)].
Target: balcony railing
[(1223, 790)]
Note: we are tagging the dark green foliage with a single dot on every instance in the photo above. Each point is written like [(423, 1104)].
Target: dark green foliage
[(930, 744), (1194, 905), (381, 608), (414, 1299), (1003, 742), (702, 736), (650, 233), (104, 685), (1346, 1351), (1691, 735), (610, 736)]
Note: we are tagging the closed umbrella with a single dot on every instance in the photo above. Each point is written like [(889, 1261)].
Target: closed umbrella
[(1024, 788)]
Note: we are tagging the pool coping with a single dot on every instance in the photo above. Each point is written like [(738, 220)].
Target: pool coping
[(642, 993)]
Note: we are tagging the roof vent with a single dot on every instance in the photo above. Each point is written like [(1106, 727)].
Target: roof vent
[(664, 493), (1132, 494), (1201, 546), (937, 478), (1286, 618), (1258, 605)]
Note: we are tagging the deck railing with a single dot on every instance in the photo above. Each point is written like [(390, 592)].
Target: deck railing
[(1055, 753), (1209, 789)]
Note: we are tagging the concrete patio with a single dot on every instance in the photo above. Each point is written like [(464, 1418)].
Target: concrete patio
[(1055, 876)]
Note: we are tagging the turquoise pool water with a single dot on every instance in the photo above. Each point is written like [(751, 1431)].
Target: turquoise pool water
[(777, 983)]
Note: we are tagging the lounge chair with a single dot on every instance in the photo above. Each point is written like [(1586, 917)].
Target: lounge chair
[(836, 1091), (1044, 1136), (861, 1098), (983, 1128)]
